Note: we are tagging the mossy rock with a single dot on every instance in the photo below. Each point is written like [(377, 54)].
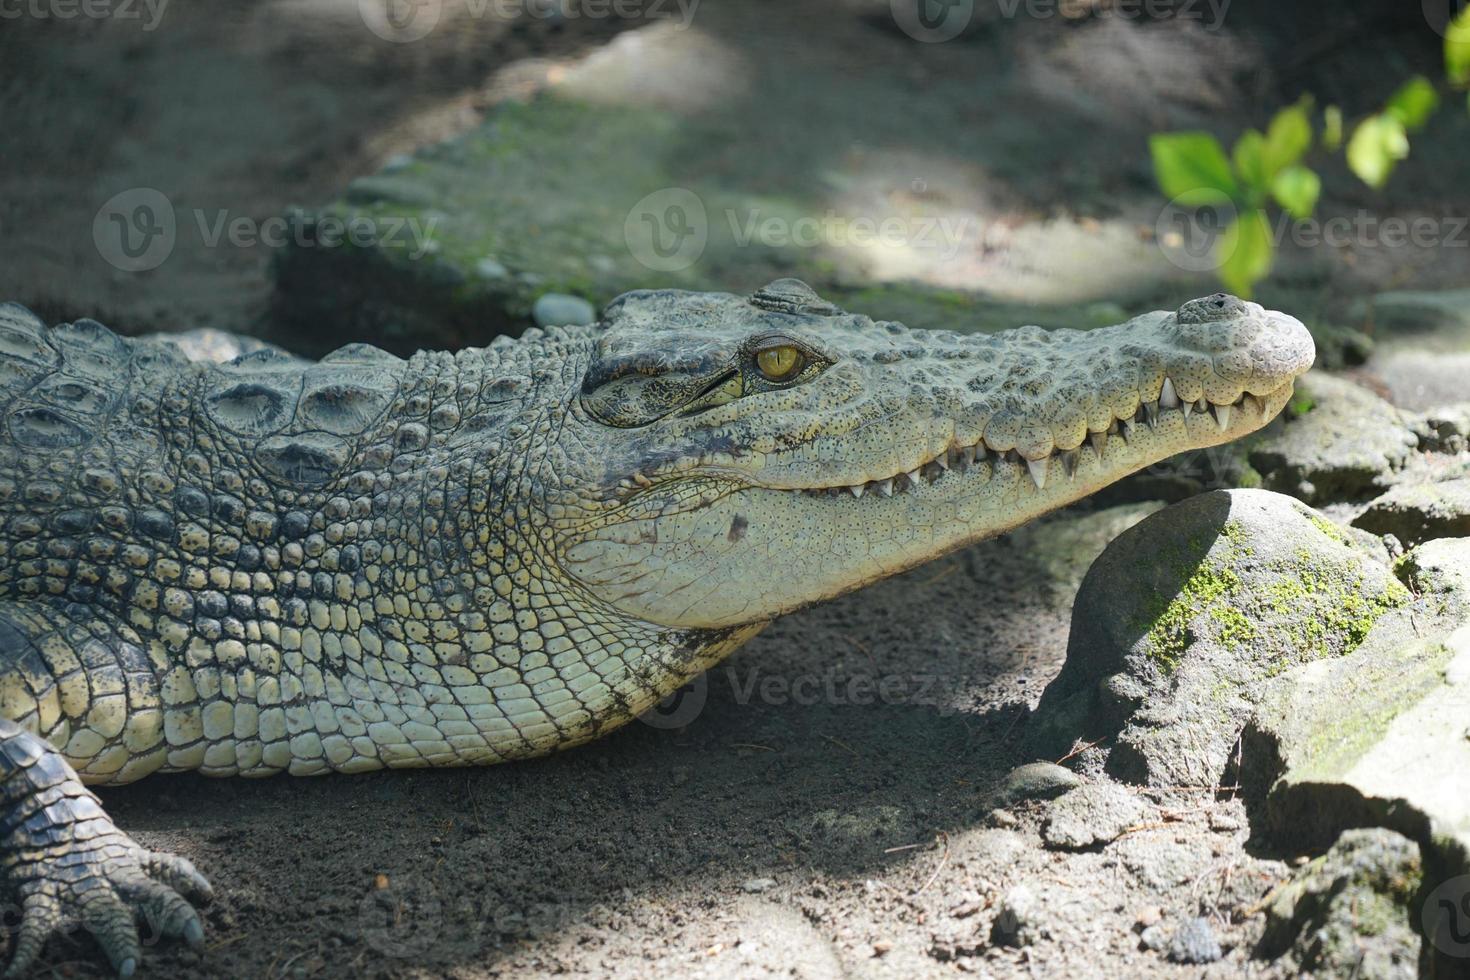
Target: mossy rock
[(1352, 911), (1185, 619), (574, 195), (1420, 512), (1337, 441)]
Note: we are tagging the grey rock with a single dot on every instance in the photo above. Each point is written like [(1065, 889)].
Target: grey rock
[(1020, 921), (1352, 911), (756, 885), (491, 270), (1186, 618), (1414, 313), (1091, 816), (1154, 938), (1448, 428), (1418, 512), (1376, 738), (1194, 942), (1339, 441), (1440, 567), (560, 310), (1034, 781)]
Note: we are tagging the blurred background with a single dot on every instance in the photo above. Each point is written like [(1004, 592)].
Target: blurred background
[(423, 172)]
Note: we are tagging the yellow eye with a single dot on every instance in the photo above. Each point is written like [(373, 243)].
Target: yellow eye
[(779, 363)]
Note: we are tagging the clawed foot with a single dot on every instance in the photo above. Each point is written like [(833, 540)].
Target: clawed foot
[(68, 865)]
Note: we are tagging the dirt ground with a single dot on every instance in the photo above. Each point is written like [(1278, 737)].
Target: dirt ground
[(823, 811)]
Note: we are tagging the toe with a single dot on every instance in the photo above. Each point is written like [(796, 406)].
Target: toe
[(110, 922), (40, 916), (179, 874), (167, 913)]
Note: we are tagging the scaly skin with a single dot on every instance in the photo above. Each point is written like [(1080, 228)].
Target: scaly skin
[(275, 566)]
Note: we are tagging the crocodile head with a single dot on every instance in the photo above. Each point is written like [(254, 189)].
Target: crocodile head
[(741, 458)]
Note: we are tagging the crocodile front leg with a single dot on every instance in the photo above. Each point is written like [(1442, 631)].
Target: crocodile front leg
[(66, 864)]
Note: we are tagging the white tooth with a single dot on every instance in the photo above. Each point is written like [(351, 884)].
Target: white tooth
[(1070, 459), (943, 460), (1038, 471), (886, 488), (1222, 417), (1187, 407), (969, 453), (913, 476), (1099, 442), (856, 491), (1256, 402), (1168, 398), (1128, 429)]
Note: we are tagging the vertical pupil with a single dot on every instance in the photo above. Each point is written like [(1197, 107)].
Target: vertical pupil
[(778, 362)]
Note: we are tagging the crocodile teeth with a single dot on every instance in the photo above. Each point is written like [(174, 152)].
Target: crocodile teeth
[(1128, 427), (1187, 407), (885, 487), (913, 476), (1222, 417), (856, 491), (1099, 442), (1038, 471), (969, 453), (943, 460), (1151, 411), (1069, 462), (1168, 398), (1256, 402)]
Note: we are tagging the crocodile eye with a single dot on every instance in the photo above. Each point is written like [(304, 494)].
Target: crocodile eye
[(780, 363)]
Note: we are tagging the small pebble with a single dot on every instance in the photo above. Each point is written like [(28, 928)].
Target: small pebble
[(1002, 818), (1194, 942), (488, 268), (755, 885), (1019, 921), (1154, 938)]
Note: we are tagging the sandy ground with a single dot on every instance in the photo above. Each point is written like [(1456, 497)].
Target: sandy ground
[(798, 822), (822, 813)]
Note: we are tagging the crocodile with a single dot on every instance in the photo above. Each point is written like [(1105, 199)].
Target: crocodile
[(274, 565)]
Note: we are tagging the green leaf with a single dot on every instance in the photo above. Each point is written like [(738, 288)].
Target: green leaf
[(1191, 168), (1332, 128), (1288, 138), (1296, 189), (1457, 49), (1414, 102), (1250, 161), (1376, 147), (1246, 252)]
